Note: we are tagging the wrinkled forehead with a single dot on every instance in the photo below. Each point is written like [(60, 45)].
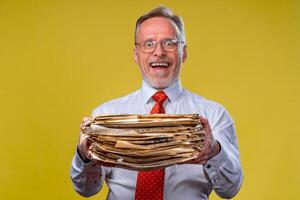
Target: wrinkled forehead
[(157, 28)]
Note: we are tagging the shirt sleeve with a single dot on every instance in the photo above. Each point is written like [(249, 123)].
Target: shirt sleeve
[(224, 169), (86, 177)]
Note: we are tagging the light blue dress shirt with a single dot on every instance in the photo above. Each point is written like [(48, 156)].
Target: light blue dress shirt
[(221, 173)]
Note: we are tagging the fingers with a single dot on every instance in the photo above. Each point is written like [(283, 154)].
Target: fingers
[(85, 119), (205, 124), (83, 147), (85, 122), (208, 133), (207, 150), (85, 143), (84, 139)]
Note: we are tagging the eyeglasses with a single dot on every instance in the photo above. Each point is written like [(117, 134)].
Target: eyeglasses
[(167, 44)]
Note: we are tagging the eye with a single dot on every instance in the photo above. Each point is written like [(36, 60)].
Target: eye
[(148, 44), (169, 43)]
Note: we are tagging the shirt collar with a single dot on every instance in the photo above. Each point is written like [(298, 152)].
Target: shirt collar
[(173, 91)]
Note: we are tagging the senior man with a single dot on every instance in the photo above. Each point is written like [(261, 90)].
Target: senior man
[(160, 49)]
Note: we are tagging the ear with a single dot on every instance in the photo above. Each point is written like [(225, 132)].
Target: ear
[(136, 57), (184, 54)]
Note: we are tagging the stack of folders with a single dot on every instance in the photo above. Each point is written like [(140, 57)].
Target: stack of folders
[(144, 142)]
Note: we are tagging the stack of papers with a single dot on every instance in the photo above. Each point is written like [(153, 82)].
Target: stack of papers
[(143, 142)]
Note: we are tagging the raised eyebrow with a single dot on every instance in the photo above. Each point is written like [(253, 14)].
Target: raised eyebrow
[(153, 41), (169, 39), (149, 40)]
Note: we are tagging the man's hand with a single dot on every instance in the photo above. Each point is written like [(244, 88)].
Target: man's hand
[(84, 143), (84, 146), (211, 146)]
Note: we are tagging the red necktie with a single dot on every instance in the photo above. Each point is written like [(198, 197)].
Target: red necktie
[(150, 184)]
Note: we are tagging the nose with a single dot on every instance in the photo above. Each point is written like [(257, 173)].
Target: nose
[(159, 50)]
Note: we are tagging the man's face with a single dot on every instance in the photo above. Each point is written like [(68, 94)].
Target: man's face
[(159, 68)]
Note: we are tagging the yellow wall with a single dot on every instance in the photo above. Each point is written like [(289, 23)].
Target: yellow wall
[(60, 59)]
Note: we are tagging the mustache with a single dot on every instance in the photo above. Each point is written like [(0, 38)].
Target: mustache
[(164, 59)]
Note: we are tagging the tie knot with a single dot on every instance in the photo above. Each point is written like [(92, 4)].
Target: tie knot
[(160, 97)]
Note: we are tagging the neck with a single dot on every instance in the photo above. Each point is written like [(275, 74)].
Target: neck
[(159, 87)]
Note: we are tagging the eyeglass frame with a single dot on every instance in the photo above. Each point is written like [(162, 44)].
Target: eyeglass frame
[(177, 42)]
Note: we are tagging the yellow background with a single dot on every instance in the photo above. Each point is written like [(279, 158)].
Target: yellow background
[(59, 59)]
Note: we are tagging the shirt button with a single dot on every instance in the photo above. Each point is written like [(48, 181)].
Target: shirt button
[(208, 166)]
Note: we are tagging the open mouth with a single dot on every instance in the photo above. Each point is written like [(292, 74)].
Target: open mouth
[(159, 64)]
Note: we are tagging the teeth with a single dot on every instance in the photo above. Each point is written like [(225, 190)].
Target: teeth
[(159, 64)]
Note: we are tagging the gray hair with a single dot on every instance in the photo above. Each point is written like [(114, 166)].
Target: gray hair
[(162, 11)]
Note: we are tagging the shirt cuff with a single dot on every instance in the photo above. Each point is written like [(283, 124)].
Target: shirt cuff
[(214, 165), (80, 164)]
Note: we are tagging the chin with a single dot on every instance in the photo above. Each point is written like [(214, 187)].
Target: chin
[(159, 84)]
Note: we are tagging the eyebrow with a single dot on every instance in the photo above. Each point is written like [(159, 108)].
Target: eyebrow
[(150, 39)]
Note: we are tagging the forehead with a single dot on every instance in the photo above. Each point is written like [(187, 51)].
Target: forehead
[(157, 28)]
